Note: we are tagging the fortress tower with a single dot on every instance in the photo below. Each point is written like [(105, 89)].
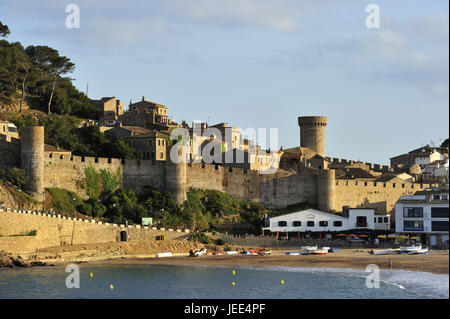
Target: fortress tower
[(32, 159), (176, 174), (312, 133)]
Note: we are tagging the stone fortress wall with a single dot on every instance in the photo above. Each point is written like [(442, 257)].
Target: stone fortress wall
[(315, 186), (56, 230)]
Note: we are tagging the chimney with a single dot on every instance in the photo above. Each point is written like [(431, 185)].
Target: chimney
[(143, 98)]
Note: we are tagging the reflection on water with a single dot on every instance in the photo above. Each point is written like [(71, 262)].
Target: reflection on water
[(161, 282)]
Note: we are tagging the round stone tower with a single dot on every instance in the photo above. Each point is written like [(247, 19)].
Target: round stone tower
[(312, 133), (176, 175), (32, 159), (326, 190)]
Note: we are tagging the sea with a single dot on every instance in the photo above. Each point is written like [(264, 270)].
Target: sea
[(137, 281)]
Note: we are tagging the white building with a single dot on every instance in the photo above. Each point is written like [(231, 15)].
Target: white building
[(311, 220), (426, 214)]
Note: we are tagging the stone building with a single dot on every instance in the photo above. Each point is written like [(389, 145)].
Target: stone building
[(147, 114), (8, 130), (110, 107)]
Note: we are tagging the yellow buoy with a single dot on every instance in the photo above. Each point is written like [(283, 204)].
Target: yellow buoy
[(234, 272), (111, 287), (282, 282), (91, 275), (233, 283)]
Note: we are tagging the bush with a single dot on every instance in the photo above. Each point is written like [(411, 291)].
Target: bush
[(220, 242), (15, 176), (200, 237)]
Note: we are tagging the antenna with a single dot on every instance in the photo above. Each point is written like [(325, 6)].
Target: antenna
[(87, 88)]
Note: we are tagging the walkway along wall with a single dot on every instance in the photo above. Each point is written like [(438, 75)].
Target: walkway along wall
[(58, 230)]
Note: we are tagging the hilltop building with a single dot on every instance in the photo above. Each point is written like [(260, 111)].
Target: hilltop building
[(147, 114), (110, 107), (426, 164)]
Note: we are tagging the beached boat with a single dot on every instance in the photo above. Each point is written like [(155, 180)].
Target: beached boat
[(198, 253), (409, 249), (388, 251), (231, 252), (304, 248), (264, 252), (251, 252), (421, 251), (333, 250), (219, 253), (159, 255), (320, 251), (292, 253)]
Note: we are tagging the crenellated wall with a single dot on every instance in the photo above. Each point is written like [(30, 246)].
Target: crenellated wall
[(60, 230), (63, 171), (316, 186)]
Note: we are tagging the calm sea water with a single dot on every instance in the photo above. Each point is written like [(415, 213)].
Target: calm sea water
[(161, 282)]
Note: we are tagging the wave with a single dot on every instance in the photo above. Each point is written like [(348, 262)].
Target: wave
[(424, 284)]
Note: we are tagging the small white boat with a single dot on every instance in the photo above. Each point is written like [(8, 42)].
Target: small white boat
[(388, 251), (305, 248), (164, 255), (410, 249), (292, 253), (198, 253), (231, 252), (422, 251)]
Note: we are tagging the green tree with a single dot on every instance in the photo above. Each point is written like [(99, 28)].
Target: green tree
[(4, 30), (93, 182)]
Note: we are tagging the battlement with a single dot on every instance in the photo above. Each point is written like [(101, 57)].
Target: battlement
[(90, 221), (370, 166), (406, 185), (55, 158)]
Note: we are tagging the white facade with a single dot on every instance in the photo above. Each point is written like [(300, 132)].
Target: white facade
[(425, 160), (423, 214), (318, 221)]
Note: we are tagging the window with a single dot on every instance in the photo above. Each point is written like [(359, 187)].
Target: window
[(361, 221), (374, 219), (444, 197), (310, 223), (439, 212), (435, 196), (337, 223), (323, 223), (297, 223), (380, 220), (282, 223), (161, 155), (386, 220), (413, 212), (413, 225), (439, 226)]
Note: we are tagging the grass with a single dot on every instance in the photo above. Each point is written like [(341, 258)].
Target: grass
[(30, 233), (64, 202)]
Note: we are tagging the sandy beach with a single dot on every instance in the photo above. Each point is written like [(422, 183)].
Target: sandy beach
[(435, 262)]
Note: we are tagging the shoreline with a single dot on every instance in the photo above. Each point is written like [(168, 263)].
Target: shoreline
[(436, 262)]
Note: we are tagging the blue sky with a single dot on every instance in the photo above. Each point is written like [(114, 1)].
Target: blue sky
[(263, 63)]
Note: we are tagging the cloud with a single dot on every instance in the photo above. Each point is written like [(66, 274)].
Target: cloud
[(282, 15)]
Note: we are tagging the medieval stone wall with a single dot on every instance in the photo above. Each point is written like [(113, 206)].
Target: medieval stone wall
[(59, 230)]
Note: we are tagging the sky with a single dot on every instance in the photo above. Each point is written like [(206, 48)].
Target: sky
[(262, 63)]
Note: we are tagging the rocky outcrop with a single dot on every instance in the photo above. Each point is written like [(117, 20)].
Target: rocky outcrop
[(8, 260)]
